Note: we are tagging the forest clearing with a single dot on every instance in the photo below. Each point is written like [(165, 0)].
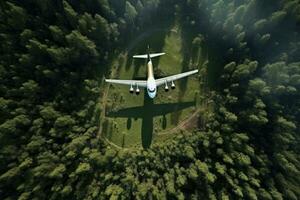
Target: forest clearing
[(229, 132)]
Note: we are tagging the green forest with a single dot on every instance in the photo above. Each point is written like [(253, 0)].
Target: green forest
[(55, 54)]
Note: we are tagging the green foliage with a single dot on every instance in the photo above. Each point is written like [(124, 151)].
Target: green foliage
[(58, 171), (130, 11), (54, 54), (64, 121), (83, 168), (16, 16), (277, 17), (81, 44), (70, 14), (260, 24)]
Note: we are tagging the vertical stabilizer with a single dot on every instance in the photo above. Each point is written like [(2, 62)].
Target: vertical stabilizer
[(148, 54)]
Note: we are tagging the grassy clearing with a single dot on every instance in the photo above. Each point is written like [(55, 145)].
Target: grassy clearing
[(136, 120)]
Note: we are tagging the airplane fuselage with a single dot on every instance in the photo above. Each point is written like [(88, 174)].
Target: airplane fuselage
[(151, 85)]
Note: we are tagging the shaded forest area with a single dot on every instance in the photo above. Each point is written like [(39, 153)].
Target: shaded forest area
[(54, 55)]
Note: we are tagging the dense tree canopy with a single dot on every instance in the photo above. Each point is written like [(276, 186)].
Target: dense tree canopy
[(53, 55)]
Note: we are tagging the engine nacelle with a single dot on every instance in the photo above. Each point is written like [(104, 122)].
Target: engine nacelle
[(137, 91), (173, 85), (166, 88), (131, 90)]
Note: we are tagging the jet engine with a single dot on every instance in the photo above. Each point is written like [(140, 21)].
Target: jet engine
[(173, 85), (131, 90), (137, 91), (166, 87)]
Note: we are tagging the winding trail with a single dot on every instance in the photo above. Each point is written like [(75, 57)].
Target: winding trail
[(182, 125), (103, 100)]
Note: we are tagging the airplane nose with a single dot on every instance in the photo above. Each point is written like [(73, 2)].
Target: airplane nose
[(152, 95)]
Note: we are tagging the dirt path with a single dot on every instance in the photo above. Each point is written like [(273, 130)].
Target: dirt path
[(113, 144), (103, 99), (180, 126)]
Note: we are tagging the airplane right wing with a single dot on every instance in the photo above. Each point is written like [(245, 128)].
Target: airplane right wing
[(162, 81), (128, 82)]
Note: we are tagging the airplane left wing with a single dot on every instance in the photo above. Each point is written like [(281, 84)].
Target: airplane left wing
[(128, 82), (162, 81)]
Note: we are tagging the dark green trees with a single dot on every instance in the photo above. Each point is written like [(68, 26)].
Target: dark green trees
[(53, 55)]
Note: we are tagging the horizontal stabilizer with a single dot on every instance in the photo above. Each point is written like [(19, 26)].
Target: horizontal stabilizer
[(140, 56), (152, 55)]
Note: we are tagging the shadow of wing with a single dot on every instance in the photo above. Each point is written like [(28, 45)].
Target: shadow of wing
[(133, 112), (150, 110), (163, 109)]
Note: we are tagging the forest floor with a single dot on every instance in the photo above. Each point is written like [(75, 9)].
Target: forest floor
[(129, 120)]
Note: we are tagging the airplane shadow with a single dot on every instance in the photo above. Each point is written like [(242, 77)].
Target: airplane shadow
[(147, 112)]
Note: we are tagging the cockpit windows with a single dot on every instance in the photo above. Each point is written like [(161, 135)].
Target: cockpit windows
[(151, 90)]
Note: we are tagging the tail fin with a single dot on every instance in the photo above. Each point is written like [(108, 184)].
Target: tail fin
[(152, 55)]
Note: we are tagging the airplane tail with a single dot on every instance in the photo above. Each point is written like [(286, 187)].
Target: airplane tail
[(152, 55)]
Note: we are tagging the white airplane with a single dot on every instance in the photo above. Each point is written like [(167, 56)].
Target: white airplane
[(151, 83)]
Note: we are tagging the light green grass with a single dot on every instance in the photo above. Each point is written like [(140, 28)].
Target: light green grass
[(119, 97)]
